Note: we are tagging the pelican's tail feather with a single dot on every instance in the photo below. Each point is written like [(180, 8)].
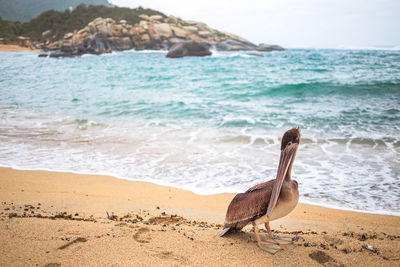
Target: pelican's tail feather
[(226, 231)]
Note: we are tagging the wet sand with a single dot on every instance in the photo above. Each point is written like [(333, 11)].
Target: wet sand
[(60, 219), (15, 48)]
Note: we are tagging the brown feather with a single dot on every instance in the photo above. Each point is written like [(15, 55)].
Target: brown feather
[(262, 185), (248, 206)]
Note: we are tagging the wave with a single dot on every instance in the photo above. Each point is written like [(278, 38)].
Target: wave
[(377, 47), (350, 47), (325, 89)]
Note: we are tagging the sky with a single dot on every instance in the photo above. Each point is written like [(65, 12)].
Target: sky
[(292, 23)]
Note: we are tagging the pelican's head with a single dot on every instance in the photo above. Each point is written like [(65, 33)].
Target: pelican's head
[(291, 137), (289, 145)]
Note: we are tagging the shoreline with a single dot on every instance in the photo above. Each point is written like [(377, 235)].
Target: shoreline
[(60, 218), (16, 48), (157, 183)]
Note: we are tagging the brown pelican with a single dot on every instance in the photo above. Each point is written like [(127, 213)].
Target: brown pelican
[(268, 201)]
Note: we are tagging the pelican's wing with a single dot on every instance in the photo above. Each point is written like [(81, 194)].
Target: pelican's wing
[(269, 184), (246, 207)]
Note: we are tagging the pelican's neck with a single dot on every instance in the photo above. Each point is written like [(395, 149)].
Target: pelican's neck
[(288, 176)]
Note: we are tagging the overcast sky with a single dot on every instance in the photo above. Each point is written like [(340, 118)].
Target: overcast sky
[(292, 23)]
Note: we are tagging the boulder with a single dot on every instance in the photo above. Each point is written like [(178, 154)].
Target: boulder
[(163, 29), (165, 44), (101, 27), (103, 31), (96, 45), (120, 43), (179, 32), (46, 33), (116, 30), (153, 33), (125, 31), (145, 37), (201, 27), (191, 29), (189, 48), (171, 19), (92, 28), (96, 21), (77, 38), (137, 30), (156, 17), (205, 34), (144, 24), (208, 28), (174, 40), (268, 47), (235, 45), (109, 20), (67, 50), (68, 35), (84, 30), (190, 22), (145, 17), (122, 21), (58, 53)]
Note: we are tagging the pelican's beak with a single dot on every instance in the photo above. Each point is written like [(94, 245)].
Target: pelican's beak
[(285, 164)]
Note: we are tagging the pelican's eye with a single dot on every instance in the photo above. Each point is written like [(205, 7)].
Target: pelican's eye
[(290, 143)]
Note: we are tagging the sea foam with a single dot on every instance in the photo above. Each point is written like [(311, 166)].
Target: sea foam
[(211, 125)]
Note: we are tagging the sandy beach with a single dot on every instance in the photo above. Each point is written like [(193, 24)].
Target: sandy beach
[(59, 219), (15, 48)]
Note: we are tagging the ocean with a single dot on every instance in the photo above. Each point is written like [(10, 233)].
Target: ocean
[(214, 124)]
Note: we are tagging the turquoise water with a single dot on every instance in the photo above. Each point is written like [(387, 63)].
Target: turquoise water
[(211, 124)]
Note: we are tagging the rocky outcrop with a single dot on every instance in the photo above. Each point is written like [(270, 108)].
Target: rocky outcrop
[(235, 45), (268, 47), (189, 48), (104, 35)]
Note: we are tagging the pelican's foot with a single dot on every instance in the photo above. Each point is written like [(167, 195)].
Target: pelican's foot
[(269, 247)]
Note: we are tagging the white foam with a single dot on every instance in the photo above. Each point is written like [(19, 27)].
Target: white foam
[(145, 51), (204, 160)]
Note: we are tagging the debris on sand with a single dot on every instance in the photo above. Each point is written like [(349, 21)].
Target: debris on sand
[(79, 239), (370, 248)]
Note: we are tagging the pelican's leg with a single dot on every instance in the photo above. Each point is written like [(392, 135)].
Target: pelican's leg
[(269, 230), (268, 247), (278, 240)]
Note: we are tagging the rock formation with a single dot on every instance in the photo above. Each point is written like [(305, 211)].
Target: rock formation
[(268, 47), (186, 38), (189, 48)]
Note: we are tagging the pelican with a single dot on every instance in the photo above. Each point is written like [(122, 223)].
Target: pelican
[(268, 201)]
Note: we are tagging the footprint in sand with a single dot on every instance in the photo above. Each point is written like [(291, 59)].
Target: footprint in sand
[(169, 255), (142, 235), (324, 259)]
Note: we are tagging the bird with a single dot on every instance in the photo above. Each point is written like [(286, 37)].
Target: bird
[(268, 201)]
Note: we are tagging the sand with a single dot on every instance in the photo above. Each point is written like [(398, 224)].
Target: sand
[(16, 48), (59, 219)]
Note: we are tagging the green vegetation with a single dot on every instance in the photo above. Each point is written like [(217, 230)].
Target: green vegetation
[(10, 30), (60, 23), (25, 10), (222, 35)]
